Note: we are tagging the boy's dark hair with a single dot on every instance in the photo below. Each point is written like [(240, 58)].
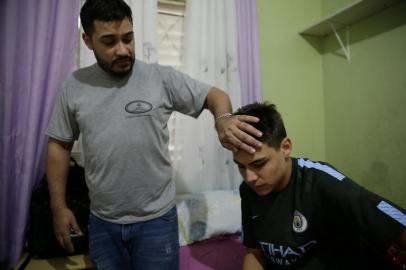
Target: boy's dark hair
[(103, 10), (270, 122)]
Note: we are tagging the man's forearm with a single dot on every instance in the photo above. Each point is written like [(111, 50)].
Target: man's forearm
[(218, 102), (58, 157)]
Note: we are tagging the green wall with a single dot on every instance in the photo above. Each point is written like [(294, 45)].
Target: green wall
[(349, 114), (329, 7), (291, 71), (365, 103)]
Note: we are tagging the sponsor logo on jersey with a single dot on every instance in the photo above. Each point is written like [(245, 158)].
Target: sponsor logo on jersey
[(285, 255), (299, 223)]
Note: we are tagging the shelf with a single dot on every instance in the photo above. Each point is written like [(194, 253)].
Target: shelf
[(347, 16)]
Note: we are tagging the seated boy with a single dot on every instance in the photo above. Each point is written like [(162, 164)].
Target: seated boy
[(302, 214)]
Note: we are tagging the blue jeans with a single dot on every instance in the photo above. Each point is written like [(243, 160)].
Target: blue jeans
[(146, 245)]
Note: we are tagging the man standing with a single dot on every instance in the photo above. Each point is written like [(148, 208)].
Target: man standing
[(121, 107)]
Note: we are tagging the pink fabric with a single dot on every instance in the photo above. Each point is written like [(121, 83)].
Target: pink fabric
[(225, 253)]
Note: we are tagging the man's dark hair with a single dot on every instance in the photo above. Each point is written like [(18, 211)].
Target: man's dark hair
[(103, 10), (270, 122)]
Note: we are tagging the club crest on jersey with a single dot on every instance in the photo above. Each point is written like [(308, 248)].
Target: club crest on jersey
[(299, 223)]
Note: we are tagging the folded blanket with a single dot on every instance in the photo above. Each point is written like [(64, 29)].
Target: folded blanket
[(208, 214)]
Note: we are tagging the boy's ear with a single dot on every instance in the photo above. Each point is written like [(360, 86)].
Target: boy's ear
[(88, 41), (286, 147)]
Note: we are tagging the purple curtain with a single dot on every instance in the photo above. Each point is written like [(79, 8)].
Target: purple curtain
[(248, 51), (37, 54)]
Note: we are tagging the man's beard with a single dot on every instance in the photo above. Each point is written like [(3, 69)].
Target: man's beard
[(109, 68)]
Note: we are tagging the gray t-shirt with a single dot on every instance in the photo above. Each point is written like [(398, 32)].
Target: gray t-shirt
[(124, 129)]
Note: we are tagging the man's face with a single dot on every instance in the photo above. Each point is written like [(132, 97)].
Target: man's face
[(267, 169), (113, 45)]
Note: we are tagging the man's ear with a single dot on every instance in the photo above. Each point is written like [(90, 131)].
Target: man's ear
[(88, 41), (286, 147)]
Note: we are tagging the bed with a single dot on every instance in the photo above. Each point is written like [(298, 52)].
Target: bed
[(209, 230)]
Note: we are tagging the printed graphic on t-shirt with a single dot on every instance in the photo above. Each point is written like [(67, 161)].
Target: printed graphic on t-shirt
[(285, 255), (138, 106)]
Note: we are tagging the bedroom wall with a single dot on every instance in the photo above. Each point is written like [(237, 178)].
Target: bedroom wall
[(291, 71), (328, 7), (365, 103), (351, 115)]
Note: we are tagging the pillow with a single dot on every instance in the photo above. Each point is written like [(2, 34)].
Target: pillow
[(208, 214)]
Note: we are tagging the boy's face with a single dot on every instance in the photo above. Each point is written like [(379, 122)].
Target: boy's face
[(113, 45), (267, 169)]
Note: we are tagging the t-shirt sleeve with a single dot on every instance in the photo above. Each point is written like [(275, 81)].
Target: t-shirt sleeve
[(378, 221), (248, 237), (62, 125), (187, 95)]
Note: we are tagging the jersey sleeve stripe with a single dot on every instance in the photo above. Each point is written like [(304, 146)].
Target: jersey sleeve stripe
[(321, 167), (392, 212)]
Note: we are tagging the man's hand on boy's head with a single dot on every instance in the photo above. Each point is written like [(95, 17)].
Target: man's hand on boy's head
[(236, 133)]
